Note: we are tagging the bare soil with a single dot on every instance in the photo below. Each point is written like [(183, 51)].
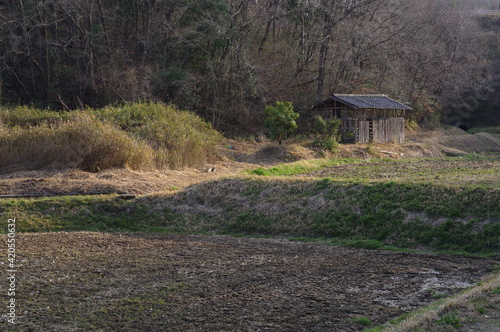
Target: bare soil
[(156, 282)]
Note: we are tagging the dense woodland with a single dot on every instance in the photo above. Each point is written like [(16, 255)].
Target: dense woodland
[(227, 59)]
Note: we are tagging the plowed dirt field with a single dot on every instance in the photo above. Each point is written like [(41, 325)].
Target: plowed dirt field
[(156, 282)]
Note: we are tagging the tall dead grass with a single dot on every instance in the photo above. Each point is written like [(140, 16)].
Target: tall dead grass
[(80, 142), (137, 136), (179, 138)]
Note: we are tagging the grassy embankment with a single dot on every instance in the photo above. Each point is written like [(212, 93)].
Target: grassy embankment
[(420, 207)]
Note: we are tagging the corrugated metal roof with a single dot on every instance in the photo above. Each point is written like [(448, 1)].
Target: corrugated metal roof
[(367, 101)]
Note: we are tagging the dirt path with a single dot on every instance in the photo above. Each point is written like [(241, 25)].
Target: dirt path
[(155, 282)]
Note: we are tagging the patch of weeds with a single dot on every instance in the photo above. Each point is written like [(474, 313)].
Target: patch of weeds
[(375, 329), (435, 294), (451, 319), (366, 244), (399, 319), (365, 321), (496, 291), (482, 310), (251, 223), (326, 143), (304, 239), (370, 149)]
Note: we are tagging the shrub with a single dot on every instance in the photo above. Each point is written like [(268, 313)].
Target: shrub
[(328, 127), (326, 143), (326, 132), (102, 146), (319, 125), (280, 119)]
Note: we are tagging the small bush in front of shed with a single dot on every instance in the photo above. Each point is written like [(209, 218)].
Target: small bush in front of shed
[(326, 132)]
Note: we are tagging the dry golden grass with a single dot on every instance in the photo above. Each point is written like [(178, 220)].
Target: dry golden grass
[(81, 142), (456, 141), (139, 136), (178, 138), (116, 180)]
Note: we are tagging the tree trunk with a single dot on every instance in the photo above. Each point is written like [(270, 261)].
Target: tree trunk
[(323, 50)]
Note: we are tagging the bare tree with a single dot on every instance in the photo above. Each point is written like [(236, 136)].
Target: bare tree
[(226, 58)]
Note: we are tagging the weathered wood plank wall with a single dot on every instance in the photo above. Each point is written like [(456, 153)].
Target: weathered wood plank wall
[(382, 130), (367, 125), (364, 132), (389, 130)]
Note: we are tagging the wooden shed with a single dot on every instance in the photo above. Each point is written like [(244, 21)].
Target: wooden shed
[(365, 118)]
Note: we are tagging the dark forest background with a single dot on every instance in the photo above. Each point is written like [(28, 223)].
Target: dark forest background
[(227, 59)]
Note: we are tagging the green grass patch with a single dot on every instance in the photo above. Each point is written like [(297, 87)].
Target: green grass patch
[(364, 321), (85, 213), (367, 244), (450, 319), (303, 166), (470, 171)]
